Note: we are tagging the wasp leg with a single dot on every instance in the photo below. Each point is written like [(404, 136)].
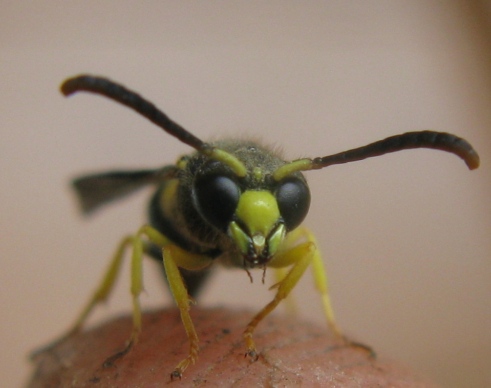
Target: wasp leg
[(175, 258), (299, 257), (281, 269), (103, 291), (289, 303), (322, 286), (136, 288), (106, 286), (100, 295), (193, 280)]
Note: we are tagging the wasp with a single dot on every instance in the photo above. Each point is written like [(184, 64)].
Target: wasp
[(230, 201)]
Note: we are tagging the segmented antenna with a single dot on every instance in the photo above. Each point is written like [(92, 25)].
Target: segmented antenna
[(119, 93), (133, 100), (423, 139)]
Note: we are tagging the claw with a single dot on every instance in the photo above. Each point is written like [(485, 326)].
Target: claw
[(111, 360), (359, 345), (252, 354), (176, 374)]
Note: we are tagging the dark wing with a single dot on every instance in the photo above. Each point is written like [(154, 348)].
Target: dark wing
[(96, 190)]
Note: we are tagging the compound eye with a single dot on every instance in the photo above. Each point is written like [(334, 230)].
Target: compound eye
[(216, 198), (293, 196)]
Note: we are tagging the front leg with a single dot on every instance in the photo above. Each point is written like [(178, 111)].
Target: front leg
[(287, 257), (175, 258), (300, 256), (321, 284), (318, 271), (137, 244)]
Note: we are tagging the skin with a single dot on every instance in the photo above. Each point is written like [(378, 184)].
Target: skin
[(291, 353)]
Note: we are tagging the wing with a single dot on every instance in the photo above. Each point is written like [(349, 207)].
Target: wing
[(95, 190)]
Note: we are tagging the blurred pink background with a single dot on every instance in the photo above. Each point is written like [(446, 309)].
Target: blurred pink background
[(405, 237)]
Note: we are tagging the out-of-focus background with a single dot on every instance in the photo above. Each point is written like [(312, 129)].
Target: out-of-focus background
[(406, 237)]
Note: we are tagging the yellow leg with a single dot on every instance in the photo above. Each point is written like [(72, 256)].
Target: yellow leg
[(321, 284), (281, 266), (106, 286), (301, 257), (136, 281), (136, 287), (103, 291), (319, 274), (290, 305), (175, 258), (100, 295)]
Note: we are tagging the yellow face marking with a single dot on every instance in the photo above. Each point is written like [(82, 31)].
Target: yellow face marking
[(259, 211), (240, 238), (259, 214), (276, 239)]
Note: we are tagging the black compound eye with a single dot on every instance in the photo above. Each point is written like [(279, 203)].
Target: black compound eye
[(216, 198), (293, 196)]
